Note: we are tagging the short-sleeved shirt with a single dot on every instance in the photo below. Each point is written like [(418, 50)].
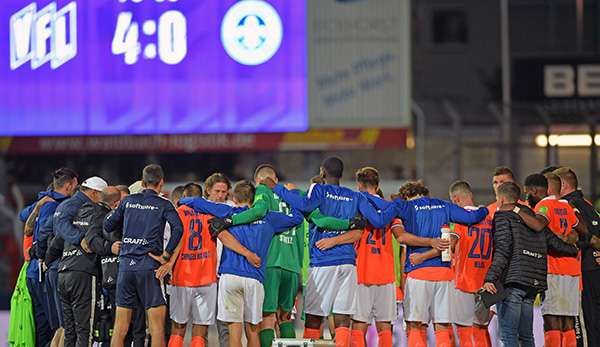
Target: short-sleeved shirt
[(562, 219), (473, 255), (197, 261)]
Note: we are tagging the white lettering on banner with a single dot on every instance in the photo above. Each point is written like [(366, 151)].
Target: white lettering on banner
[(562, 81), (337, 197), (140, 206), (132, 241), (42, 36)]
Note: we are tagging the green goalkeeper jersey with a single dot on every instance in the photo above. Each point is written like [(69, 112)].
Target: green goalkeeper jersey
[(286, 250)]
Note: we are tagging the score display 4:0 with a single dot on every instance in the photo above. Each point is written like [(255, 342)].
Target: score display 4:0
[(171, 33)]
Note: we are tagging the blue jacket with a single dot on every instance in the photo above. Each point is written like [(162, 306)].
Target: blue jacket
[(64, 216), (142, 217), (424, 217), (339, 202), (256, 236), (40, 234)]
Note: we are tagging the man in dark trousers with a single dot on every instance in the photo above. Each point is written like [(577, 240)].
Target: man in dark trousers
[(142, 217), (590, 266), (79, 270)]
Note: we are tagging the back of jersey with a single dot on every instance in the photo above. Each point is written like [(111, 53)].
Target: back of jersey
[(473, 255), (342, 203), (562, 219), (375, 254), (197, 261)]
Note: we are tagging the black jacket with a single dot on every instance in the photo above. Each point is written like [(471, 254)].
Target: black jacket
[(520, 254), (89, 218), (592, 221), (110, 263)]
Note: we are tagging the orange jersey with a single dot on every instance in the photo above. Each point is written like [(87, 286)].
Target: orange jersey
[(473, 255), (375, 257), (562, 219), (197, 261), (27, 243)]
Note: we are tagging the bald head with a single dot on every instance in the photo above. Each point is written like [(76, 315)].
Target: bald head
[(111, 196)]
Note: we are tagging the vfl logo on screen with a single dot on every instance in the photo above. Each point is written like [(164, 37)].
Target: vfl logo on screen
[(43, 36), (251, 32)]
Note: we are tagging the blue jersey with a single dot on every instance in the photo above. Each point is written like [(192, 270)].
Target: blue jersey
[(62, 222), (142, 217), (339, 202), (40, 231), (256, 236), (425, 217)]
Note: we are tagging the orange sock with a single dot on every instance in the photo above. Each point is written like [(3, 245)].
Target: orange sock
[(197, 341), (552, 338), (569, 339), (342, 337), (358, 338), (176, 341), (442, 338), (417, 337), (385, 338), (465, 336), (481, 337), (452, 337), (314, 334)]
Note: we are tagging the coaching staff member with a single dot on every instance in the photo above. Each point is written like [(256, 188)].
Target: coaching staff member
[(142, 217)]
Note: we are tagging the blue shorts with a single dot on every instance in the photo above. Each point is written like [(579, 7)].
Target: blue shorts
[(139, 287)]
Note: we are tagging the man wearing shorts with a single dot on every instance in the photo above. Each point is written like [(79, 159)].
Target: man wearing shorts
[(332, 282), (142, 217)]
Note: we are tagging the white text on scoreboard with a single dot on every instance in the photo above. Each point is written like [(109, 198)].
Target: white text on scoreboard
[(47, 35)]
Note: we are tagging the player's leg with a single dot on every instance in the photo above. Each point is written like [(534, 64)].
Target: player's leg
[(156, 324), (288, 289), (346, 285), (384, 298), (235, 334), (318, 299), (481, 336), (267, 326), (68, 314), (203, 313), (254, 297), (84, 295), (363, 302), (180, 312), (199, 335), (150, 290), (441, 311), (122, 320), (463, 316), (418, 298), (572, 295)]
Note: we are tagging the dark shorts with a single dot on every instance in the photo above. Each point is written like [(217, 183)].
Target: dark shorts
[(139, 287)]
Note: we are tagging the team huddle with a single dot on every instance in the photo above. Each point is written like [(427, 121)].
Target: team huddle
[(112, 264)]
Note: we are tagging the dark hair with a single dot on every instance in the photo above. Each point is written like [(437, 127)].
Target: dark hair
[(215, 178), (503, 170), (243, 192), (123, 189), (380, 193), (110, 195), (192, 190), (62, 176), (333, 167), (509, 190), (460, 186), (152, 175), (369, 176), (267, 168), (568, 175), (177, 193), (411, 189), (536, 180)]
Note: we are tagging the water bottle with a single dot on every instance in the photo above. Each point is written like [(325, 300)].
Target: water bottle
[(446, 256)]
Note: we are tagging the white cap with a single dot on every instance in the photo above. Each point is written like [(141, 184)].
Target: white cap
[(95, 183)]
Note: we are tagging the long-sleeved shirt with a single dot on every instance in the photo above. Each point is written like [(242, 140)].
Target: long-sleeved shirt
[(425, 217), (142, 217), (65, 214), (41, 231)]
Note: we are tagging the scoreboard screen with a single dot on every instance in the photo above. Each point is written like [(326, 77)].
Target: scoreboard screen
[(108, 67)]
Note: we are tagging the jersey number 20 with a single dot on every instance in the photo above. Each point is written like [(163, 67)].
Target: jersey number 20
[(479, 249)]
